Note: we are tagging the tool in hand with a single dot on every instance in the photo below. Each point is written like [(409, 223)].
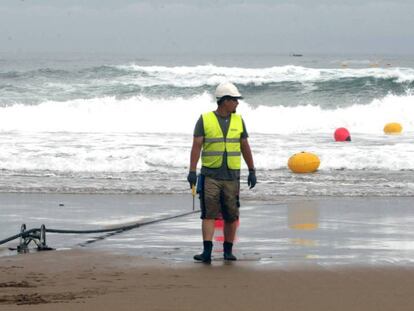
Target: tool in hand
[(193, 192)]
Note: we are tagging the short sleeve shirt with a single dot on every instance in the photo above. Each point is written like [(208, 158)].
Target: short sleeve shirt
[(223, 172)]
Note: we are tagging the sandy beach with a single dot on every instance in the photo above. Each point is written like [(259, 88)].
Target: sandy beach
[(325, 253), (85, 280)]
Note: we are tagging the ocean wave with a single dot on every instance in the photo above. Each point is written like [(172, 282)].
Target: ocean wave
[(360, 118), (178, 115), (191, 76), (283, 85), (211, 75)]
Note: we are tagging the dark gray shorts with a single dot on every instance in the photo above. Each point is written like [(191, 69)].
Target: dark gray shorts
[(220, 198)]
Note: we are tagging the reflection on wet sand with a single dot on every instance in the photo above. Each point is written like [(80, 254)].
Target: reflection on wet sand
[(303, 215)]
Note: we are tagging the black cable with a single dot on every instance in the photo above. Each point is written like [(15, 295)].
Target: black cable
[(117, 229), (23, 234)]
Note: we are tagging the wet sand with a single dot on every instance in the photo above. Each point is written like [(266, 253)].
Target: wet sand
[(291, 230), (88, 280)]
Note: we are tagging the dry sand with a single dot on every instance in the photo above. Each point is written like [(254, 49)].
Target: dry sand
[(85, 280)]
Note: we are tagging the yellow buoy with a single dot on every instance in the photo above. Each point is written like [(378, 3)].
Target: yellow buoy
[(304, 162), (392, 128)]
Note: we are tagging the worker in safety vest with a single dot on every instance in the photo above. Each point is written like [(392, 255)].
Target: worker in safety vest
[(221, 138)]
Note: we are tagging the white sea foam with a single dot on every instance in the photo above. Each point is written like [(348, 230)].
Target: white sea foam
[(194, 76), (178, 115), (119, 157), (365, 152), (108, 114), (369, 118)]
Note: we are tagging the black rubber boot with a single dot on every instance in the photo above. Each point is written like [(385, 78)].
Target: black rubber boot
[(228, 254), (205, 256)]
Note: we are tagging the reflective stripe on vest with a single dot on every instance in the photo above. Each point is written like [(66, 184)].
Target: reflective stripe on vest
[(215, 144)]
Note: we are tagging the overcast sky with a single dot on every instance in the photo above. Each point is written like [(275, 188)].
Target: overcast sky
[(160, 26)]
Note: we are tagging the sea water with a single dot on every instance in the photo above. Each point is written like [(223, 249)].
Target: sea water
[(123, 124)]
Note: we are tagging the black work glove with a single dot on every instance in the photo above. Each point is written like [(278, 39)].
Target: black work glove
[(252, 180), (192, 178)]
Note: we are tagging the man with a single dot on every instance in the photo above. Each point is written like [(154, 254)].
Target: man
[(222, 137)]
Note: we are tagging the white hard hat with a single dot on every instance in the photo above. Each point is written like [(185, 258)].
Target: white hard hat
[(227, 89)]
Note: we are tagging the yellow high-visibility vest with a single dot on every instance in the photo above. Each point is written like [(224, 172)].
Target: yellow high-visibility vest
[(215, 144)]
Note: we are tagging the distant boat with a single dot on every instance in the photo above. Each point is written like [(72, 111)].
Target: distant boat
[(296, 55)]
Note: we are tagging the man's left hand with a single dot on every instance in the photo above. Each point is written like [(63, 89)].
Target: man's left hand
[(252, 180)]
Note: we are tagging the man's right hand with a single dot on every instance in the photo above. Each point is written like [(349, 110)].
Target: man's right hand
[(192, 178)]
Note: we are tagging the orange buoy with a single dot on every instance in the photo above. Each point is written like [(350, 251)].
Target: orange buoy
[(304, 162), (342, 134), (393, 128)]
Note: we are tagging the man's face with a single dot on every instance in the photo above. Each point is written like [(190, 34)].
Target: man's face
[(232, 104)]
